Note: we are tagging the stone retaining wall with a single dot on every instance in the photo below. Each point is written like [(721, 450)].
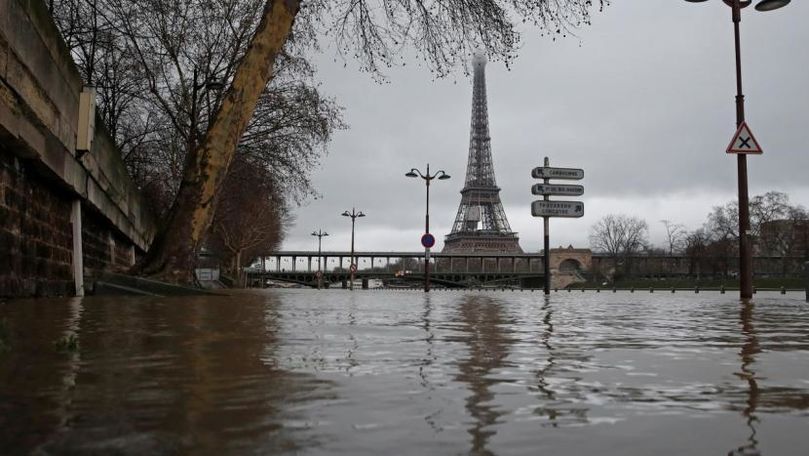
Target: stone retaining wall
[(35, 234), (45, 181)]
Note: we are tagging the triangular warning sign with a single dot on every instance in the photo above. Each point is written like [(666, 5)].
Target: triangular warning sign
[(744, 142)]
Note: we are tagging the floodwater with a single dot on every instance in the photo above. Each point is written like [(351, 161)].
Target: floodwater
[(406, 373)]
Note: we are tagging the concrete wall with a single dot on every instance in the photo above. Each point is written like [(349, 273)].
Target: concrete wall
[(42, 173)]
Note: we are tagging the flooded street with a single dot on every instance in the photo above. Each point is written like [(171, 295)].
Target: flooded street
[(403, 372)]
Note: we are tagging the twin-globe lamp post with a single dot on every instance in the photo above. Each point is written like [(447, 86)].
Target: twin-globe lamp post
[(319, 233), (353, 214), (745, 251), (441, 175)]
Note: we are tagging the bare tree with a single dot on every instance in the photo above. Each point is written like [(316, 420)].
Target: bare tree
[(249, 218), (696, 249), (783, 237), (619, 236), (675, 236), (92, 34), (723, 221), (766, 208), (722, 228)]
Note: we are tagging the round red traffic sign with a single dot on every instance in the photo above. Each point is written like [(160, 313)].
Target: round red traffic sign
[(427, 240), (353, 267)]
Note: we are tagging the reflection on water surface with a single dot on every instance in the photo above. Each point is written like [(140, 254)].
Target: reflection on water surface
[(483, 325), (338, 372)]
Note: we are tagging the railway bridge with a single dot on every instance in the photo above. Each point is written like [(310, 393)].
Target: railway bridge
[(447, 269)]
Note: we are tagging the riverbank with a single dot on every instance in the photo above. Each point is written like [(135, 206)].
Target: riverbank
[(690, 283)]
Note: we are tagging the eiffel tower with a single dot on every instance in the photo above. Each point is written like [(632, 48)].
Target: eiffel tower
[(481, 224)]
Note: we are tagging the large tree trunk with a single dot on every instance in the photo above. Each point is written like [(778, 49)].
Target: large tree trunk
[(172, 254)]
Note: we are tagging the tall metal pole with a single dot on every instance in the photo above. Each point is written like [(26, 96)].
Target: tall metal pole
[(547, 240), (441, 175), (351, 268), (319, 233), (806, 278), (353, 214), (745, 253), (427, 230), (320, 272), (745, 248)]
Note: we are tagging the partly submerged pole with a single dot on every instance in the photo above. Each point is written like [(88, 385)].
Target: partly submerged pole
[(806, 275), (547, 241)]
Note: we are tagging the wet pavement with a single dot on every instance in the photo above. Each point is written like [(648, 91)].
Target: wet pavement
[(403, 372)]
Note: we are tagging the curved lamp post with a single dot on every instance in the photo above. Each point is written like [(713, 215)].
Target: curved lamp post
[(745, 251), (441, 175), (319, 233), (353, 214)]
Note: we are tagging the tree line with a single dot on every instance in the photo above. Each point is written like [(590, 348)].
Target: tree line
[(778, 228)]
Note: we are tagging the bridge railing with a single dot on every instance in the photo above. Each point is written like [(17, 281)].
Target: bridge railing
[(299, 261)]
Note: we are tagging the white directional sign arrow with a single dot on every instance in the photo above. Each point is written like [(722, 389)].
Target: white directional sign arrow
[(544, 172), (744, 142), (557, 189), (572, 209)]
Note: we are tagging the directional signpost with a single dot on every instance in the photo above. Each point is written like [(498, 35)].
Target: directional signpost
[(557, 189), (572, 209), (546, 208), (545, 172)]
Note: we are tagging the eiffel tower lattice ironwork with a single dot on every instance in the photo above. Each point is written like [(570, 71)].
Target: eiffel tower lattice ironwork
[(481, 223)]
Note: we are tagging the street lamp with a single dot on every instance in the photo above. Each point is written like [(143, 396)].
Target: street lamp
[(353, 268), (441, 175), (319, 233), (745, 252)]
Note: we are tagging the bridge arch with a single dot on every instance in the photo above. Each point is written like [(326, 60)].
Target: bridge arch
[(570, 265)]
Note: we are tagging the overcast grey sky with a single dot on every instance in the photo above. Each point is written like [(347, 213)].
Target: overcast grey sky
[(642, 100)]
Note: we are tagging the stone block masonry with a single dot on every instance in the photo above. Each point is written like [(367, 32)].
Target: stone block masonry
[(47, 187), (103, 249), (35, 234)]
